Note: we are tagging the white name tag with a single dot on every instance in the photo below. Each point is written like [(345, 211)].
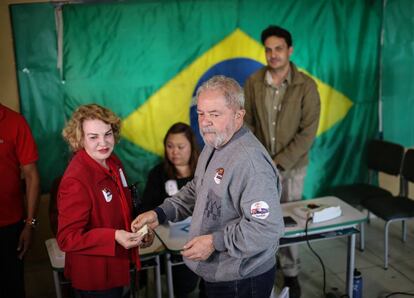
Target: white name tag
[(171, 187), (123, 180)]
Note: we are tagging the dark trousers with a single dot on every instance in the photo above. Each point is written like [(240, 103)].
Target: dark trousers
[(11, 267), (111, 293), (254, 287)]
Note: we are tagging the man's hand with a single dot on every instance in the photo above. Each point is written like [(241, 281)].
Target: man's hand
[(199, 248), (128, 239), (150, 218), (25, 240)]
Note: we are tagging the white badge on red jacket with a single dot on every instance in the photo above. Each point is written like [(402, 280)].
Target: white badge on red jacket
[(259, 210), (107, 194), (123, 180), (219, 175)]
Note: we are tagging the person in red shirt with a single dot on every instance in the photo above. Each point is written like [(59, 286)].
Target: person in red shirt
[(18, 155), (94, 207)]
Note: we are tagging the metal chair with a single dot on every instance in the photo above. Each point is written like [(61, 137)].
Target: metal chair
[(381, 156), (395, 208)]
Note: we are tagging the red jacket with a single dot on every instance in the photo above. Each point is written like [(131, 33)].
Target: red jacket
[(90, 211)]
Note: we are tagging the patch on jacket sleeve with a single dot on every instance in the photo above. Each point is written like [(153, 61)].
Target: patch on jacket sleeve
[(259, 209)]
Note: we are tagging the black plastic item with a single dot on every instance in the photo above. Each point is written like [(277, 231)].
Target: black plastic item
[(289, 221), (136, 200)]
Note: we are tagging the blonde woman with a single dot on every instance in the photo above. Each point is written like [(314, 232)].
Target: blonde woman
[(94, 207)]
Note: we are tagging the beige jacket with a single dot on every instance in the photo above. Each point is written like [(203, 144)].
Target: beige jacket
[(297, 121)]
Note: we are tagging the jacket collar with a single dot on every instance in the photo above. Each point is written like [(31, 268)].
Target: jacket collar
[(237, 135), (296, 76), (98, 169)]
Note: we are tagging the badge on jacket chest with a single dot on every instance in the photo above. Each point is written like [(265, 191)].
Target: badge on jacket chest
[(107, 194), (219, 175)]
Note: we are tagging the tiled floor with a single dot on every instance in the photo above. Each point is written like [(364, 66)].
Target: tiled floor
[(377, 282)]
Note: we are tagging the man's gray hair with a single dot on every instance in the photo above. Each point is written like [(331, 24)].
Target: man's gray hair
[(231, 90)]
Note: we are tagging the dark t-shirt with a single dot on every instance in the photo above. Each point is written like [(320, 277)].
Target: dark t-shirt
[(155, 190)]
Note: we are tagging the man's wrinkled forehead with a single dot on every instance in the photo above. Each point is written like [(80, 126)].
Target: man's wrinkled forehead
[(218, 96)]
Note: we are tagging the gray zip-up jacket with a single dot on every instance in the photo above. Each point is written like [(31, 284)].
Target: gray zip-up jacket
[(234, 196)]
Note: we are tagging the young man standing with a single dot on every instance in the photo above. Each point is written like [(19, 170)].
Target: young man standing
[(282, 110)]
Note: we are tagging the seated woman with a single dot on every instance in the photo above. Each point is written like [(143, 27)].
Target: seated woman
[(164, 180), (94, 207)]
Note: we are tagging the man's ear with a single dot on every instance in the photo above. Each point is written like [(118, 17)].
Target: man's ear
[(240, 113)]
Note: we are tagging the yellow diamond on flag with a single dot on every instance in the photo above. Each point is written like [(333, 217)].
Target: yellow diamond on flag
[(146, 126), (334, 105)]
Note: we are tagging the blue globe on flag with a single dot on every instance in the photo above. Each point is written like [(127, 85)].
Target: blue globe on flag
[(238, 68)]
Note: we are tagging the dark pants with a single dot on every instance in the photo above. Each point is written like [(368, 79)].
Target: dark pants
[(11, 267), (111, 293), (255, 287)]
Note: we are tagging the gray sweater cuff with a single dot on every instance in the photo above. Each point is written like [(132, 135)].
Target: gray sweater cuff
[(168, 209), (218, 241)]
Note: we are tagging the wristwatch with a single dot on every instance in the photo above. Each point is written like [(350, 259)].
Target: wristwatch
[(32, 222)]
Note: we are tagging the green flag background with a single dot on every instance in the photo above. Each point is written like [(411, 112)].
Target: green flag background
[(40, 87), (397, 69), (144, 60)]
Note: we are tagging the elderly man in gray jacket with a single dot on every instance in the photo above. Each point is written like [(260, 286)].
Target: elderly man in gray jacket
[(233, 198)]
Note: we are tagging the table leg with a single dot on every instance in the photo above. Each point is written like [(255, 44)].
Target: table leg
[(57, 284), (158, 276), (169, 276), (350, 265)]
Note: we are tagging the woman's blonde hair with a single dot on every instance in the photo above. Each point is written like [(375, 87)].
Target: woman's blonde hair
[(73, 131)]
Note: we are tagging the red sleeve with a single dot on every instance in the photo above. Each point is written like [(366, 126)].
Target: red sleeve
[(74, 207), (25, 144)]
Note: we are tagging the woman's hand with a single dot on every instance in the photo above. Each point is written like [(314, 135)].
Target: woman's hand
[(128, 239)]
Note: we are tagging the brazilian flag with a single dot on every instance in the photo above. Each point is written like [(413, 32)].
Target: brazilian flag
[(145, 60)]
